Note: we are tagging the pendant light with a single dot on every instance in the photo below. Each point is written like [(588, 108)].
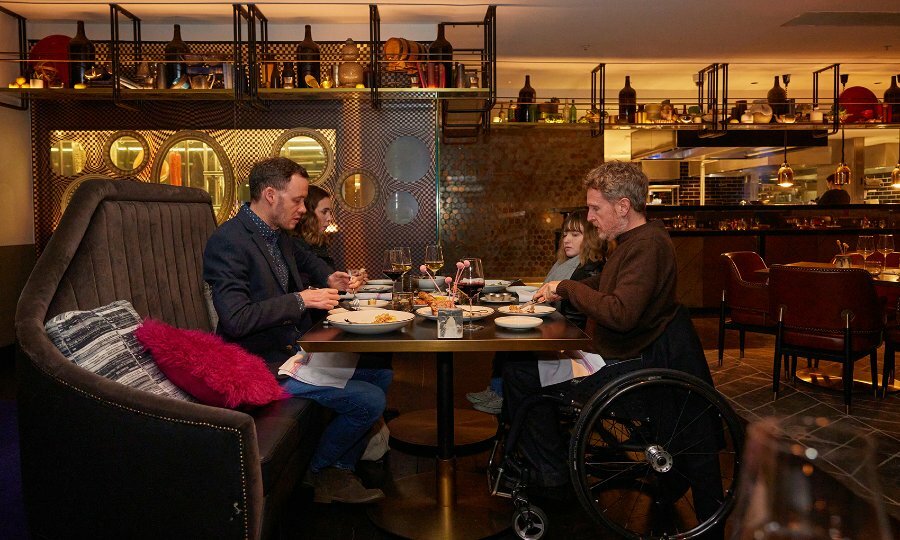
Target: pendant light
[(895, 174), (842, 173), (785, 172)]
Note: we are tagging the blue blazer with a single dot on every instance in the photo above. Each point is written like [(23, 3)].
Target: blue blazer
[(254, 310)]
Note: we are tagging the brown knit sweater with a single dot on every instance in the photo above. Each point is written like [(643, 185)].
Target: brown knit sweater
[(633, 299)]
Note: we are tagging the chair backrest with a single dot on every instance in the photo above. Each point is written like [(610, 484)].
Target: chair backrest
[(817, 301), (126, 240), (743, 266)]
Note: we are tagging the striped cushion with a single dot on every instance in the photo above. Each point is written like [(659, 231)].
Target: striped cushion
[(102, 341)]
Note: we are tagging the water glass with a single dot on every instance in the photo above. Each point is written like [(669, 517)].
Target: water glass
[(403, 301), (809, 478), (874, 266)]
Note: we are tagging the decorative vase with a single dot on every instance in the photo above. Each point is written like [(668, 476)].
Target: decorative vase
[(627, 102), (777, 98), (350, 73), (308, 58), (81, 56), (442, 51), (527, 95), (175, 53), (892, 102)]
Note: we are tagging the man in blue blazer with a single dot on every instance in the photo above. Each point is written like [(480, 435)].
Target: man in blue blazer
[(263, 302)]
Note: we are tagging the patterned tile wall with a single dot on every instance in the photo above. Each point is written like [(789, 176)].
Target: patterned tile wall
[(497, 196)]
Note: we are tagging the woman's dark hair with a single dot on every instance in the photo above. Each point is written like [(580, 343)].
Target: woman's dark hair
[(274, 172), (308, 227)]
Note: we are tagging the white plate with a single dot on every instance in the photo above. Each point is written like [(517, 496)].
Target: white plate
[(539, 310), (361, 308), (477, 313), (361, 322), (517, 322), (495, 285), (426, 284), (379, 282), (375, 288)]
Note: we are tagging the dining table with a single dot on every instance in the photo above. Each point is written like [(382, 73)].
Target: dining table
[(446, 503)]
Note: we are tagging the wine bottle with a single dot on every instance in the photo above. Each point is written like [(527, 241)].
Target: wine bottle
[(777, 98), (892, 102), (175, 51), (308, 58), (441, 51), (81, 56), (573, 113), (288, 78), (627, 102), (527, 95)]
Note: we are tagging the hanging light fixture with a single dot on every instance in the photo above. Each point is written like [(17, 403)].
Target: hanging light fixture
[(785, 172), (842, 173), (895, 174)]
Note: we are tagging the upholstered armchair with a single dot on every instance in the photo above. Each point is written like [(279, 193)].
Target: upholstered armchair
[(745, 299), (103, 460)]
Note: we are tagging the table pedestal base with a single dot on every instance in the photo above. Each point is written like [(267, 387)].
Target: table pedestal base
[(410, 509), (473, 431), (834, 381)]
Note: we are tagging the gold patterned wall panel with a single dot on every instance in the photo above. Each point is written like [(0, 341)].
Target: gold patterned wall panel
[(498, 196)]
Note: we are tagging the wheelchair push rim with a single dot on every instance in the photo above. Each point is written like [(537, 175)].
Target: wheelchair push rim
[(644, 450)]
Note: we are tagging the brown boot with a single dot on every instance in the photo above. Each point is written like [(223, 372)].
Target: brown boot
[(341, 485)]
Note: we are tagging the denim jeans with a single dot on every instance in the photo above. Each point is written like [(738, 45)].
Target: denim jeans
[(358, 406)]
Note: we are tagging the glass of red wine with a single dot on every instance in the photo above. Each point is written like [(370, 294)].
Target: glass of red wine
[(471, 281), (393, 266)]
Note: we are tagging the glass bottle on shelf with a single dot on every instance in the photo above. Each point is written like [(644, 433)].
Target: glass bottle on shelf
[(308, 58), (527, 95), (892, 102), (511, 112), (350, 72), (175, 51), (627, 102), (777, 98), (441, 51), (81, 56), (573, 113), (272, 73), (288, 76)]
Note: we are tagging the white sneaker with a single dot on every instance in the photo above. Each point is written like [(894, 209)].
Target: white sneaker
[(484, 395), (492, 406)]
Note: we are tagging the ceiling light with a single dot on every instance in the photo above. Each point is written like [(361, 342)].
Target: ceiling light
[(842, 173), (785, 172)]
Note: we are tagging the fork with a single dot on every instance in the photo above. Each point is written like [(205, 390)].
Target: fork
[(355, 302)]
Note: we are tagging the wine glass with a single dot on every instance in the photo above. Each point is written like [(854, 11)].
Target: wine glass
[(809, 478), (471, 281), (885, 246), (434, 258), (393, 265), (865, 245), (405, 261)]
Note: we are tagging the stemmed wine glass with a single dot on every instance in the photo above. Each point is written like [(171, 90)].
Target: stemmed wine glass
[(471, 281), (393, 265), (809, 478), (434, 259), (865, 245), (885, 246)]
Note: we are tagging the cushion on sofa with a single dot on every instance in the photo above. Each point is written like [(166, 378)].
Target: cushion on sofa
[(213, 371), (102, 341)]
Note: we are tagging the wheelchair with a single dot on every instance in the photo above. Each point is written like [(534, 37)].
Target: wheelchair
[(654, 453)]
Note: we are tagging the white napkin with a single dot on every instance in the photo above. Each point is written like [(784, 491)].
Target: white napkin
[(525, 296)]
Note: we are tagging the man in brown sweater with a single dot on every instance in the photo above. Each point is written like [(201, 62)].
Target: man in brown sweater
[(638, 320)]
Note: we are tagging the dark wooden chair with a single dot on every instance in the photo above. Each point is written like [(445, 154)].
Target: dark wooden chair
[(830, 314), (745, 298)]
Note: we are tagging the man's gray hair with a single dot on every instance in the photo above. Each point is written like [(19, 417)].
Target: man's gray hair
[(620, 179)]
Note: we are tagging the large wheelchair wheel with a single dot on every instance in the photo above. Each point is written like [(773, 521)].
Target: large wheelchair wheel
[(655, 454)]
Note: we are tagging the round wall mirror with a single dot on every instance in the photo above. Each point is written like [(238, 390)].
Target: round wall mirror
[(401, 207), (308, 148), (67, 158), (194, 159), (407, 159), (126, 152), (358, 189)]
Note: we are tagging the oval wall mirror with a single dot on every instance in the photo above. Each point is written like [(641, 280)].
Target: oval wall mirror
[(126, 152), (358, 189), (407, 159), (308, 148), (67, 158), (402, 207), (194, 159)]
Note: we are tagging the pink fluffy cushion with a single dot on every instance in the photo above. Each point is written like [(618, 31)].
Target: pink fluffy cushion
[(203, 365)]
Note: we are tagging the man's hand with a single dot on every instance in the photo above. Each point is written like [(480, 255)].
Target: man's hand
[(547, 293), (339, 281), (320, 298)]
